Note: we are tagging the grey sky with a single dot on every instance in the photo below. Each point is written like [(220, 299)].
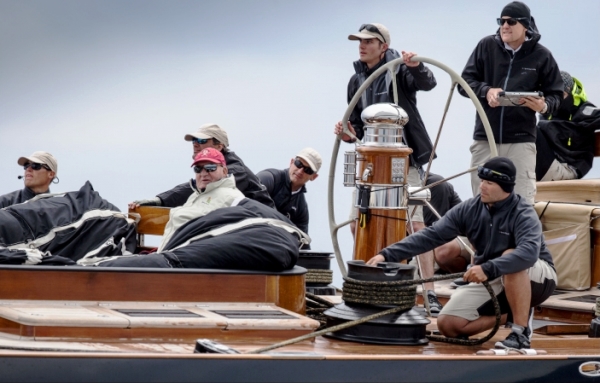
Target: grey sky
[(111, 87)]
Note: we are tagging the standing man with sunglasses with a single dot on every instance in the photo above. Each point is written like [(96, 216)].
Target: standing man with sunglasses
[(212, 136), (40, 170), (213, 189), (288, 186), (512, 60), (510, 253)]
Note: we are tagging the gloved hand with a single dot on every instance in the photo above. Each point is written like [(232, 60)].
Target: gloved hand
[(145, 202)]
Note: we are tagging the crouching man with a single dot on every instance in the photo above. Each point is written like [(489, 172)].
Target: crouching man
[(510, 254)]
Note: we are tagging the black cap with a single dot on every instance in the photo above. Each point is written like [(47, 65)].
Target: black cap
[(567, 80), (518, 10), (500, 170)]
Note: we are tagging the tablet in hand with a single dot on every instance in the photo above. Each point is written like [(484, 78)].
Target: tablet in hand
[(512, 98)]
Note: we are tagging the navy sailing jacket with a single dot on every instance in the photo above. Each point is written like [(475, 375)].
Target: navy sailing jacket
[(509, 224), (409, 80), (532, 68)]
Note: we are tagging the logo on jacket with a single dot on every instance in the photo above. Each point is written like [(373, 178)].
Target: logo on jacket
[(533, 69), (504, 233)]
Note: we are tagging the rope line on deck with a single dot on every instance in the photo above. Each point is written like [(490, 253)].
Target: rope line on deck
[(466, 342)]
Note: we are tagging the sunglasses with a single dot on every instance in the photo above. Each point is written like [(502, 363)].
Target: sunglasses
[(307, 169), (372, 28), (511, 21), (35, 166), (201, 141), (209, 168), (489, 173)]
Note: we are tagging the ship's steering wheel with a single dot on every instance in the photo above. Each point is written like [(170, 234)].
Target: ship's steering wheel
[(391, 66)]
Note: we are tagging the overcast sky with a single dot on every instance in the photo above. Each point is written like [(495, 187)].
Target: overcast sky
[(111, 87)]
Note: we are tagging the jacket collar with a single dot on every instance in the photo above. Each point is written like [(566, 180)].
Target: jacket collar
[(288, 182), (390, 55), (226, 182)]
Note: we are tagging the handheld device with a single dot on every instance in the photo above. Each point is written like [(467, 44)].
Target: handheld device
[(512, 98)]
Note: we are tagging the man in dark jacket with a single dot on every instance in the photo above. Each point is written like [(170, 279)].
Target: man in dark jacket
[(288, 186), (566, 139), (512, 60), (374, 51), (510, 253), (40, 172), (212, 136)]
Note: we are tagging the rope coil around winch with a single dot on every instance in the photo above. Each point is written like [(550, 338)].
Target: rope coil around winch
[(465, 342), (319, 276)]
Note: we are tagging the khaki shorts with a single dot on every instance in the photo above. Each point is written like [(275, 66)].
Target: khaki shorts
[(414, 179), (473, 300)]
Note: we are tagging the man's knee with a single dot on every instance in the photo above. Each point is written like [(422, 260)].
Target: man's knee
[(449, 257), (450, 325)]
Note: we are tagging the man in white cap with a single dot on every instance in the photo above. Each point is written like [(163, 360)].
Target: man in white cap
[(374, 52), (40, 170), (212, 136), (287, 186)]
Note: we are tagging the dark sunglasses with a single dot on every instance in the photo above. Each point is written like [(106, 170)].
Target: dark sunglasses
[(307, 169), (200, 141), (35, 166), (512, 21), (209, 168), (489, 173), (374, 29)]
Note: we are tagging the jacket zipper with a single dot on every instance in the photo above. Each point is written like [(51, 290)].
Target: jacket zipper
[(512, 57)]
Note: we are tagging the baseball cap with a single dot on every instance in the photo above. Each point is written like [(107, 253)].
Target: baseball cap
[(372, 31), (209, 155), (207, 131), (311, 157), (43, 158)]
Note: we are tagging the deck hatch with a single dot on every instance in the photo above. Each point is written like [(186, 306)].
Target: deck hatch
[(584, 298), (253, 314), (148, 313)]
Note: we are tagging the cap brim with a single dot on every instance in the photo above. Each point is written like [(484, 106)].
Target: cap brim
[(309, 162), (23, 160), (191, 136), (362, 36)]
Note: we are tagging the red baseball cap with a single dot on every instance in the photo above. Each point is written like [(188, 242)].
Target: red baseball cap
[(210, 155)]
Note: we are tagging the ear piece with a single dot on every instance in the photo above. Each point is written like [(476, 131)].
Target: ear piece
[(55, 180)]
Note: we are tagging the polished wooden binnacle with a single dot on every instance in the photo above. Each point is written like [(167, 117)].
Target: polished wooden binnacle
[(384, 226)]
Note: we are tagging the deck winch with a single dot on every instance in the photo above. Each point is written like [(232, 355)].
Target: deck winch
[(370, 290), (379, 171)]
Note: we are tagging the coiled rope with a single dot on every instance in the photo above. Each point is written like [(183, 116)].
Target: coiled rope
[(319, 276), (436, 338)]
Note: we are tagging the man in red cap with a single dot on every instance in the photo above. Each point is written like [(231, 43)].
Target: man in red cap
[(510, 253), (212, 136), (213, 190)]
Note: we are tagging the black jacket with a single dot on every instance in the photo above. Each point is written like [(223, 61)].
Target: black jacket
[(18, 196), (509, 224), (409, 80), (293, 206), (443, 198), (245, 180), (569, 137), (532, 68)]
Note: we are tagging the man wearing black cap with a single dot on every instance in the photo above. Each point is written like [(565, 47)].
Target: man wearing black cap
[(512, 60), (566, 139), (510, 253)]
